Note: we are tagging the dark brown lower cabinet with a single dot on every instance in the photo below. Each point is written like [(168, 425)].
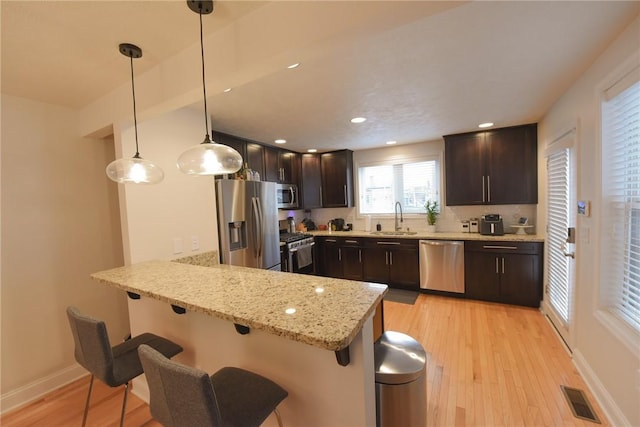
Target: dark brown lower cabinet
[(503, 271), (331, 258), (394, 262), (351, 253), (340, 257)]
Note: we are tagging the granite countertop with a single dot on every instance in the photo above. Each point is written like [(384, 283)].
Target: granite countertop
[(329, 313), (433, 236)]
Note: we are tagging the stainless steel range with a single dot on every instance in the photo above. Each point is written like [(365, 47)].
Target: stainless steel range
[(299, 253)]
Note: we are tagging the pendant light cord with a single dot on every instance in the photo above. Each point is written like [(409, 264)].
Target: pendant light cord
[(204, 87), (135, 119)]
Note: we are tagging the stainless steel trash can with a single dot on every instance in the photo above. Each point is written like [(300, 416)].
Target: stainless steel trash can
[(401, 389)]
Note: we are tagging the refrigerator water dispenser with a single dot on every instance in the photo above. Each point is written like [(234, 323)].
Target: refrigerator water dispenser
[(237, 235)]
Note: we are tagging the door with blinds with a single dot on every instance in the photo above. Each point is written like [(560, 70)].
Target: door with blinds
[(560, 240)]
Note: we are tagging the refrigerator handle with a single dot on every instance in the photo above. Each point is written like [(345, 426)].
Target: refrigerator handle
[(256, 226), (258, 213)]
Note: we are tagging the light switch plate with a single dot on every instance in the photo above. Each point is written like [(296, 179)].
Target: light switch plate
[(195, 243), (177, 245)]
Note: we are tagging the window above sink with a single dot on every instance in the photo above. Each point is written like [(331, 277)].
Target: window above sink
[(412, 183)]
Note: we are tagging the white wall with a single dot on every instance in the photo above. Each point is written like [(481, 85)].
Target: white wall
[(59, 224), (611, 368), (181, 206)]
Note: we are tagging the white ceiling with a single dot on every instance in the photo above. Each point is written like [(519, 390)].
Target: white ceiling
[(416, 70)]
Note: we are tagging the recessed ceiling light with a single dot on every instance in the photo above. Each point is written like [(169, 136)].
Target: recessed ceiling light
[(292, 66), (358, 120), (227, 90), (391, 142), (485, 125), (280, 141), (312, 150)]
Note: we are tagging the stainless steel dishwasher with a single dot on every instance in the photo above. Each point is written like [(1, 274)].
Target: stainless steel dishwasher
[(442, 265)]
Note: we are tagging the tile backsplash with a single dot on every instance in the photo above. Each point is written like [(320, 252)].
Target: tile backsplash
[(449, 220)]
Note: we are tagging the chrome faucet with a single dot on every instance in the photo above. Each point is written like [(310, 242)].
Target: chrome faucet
[(398, 205)]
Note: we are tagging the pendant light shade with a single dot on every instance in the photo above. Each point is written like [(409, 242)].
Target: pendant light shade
[(207, 158), (135, 170), (210, 158)]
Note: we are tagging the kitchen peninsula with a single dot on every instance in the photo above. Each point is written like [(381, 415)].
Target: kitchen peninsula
[(287, 327)]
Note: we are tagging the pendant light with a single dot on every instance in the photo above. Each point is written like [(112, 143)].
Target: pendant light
[(135, 170), (208, 157)]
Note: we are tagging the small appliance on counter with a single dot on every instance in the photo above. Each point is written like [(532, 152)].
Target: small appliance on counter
[(309, 224), (491, 225), (473, 225)]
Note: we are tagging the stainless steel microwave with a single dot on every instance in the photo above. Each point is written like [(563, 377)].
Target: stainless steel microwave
[(287, 196)]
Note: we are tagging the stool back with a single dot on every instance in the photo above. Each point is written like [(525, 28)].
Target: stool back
[(178, 395), (92, 347)]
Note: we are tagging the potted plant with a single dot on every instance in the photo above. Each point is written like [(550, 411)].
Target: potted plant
[(431, 206)]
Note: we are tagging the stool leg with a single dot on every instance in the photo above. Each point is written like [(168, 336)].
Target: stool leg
[(124, 403), (86, 405), (278, 417)]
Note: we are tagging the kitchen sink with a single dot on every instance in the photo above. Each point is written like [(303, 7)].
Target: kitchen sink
[(394, 233)]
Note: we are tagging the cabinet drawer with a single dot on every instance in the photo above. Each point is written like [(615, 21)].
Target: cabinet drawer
[(351, 241), (391, 243), (341, 241), (504, 247)]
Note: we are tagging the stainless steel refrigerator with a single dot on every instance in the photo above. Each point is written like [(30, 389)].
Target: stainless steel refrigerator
[(248, 223)]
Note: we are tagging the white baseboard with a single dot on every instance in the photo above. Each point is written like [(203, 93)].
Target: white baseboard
[(611, 410), (140, 388), (32, 391)]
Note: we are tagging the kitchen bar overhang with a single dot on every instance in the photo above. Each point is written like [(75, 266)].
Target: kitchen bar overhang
[(293, 320), (322, 312)]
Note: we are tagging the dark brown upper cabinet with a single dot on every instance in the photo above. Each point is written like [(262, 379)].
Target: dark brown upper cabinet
[(254, 157), (494, 167), (273, 164), (337, 179), (288, 166), (311, 181), (281, 165)]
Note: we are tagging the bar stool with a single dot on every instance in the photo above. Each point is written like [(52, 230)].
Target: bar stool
[(182, 396), (115, 365)]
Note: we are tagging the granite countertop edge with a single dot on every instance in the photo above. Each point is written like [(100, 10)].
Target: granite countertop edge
[(339, 330), (423, 235)]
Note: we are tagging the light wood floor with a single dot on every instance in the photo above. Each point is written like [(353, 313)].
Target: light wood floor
[(488, 365)]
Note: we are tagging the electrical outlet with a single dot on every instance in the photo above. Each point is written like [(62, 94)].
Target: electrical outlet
[(177, 245), (195, 243)]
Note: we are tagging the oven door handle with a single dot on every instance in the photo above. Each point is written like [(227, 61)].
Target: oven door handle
[(296, 249)]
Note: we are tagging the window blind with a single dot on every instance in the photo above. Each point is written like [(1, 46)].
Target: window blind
[(621, 204), (558, 172)]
